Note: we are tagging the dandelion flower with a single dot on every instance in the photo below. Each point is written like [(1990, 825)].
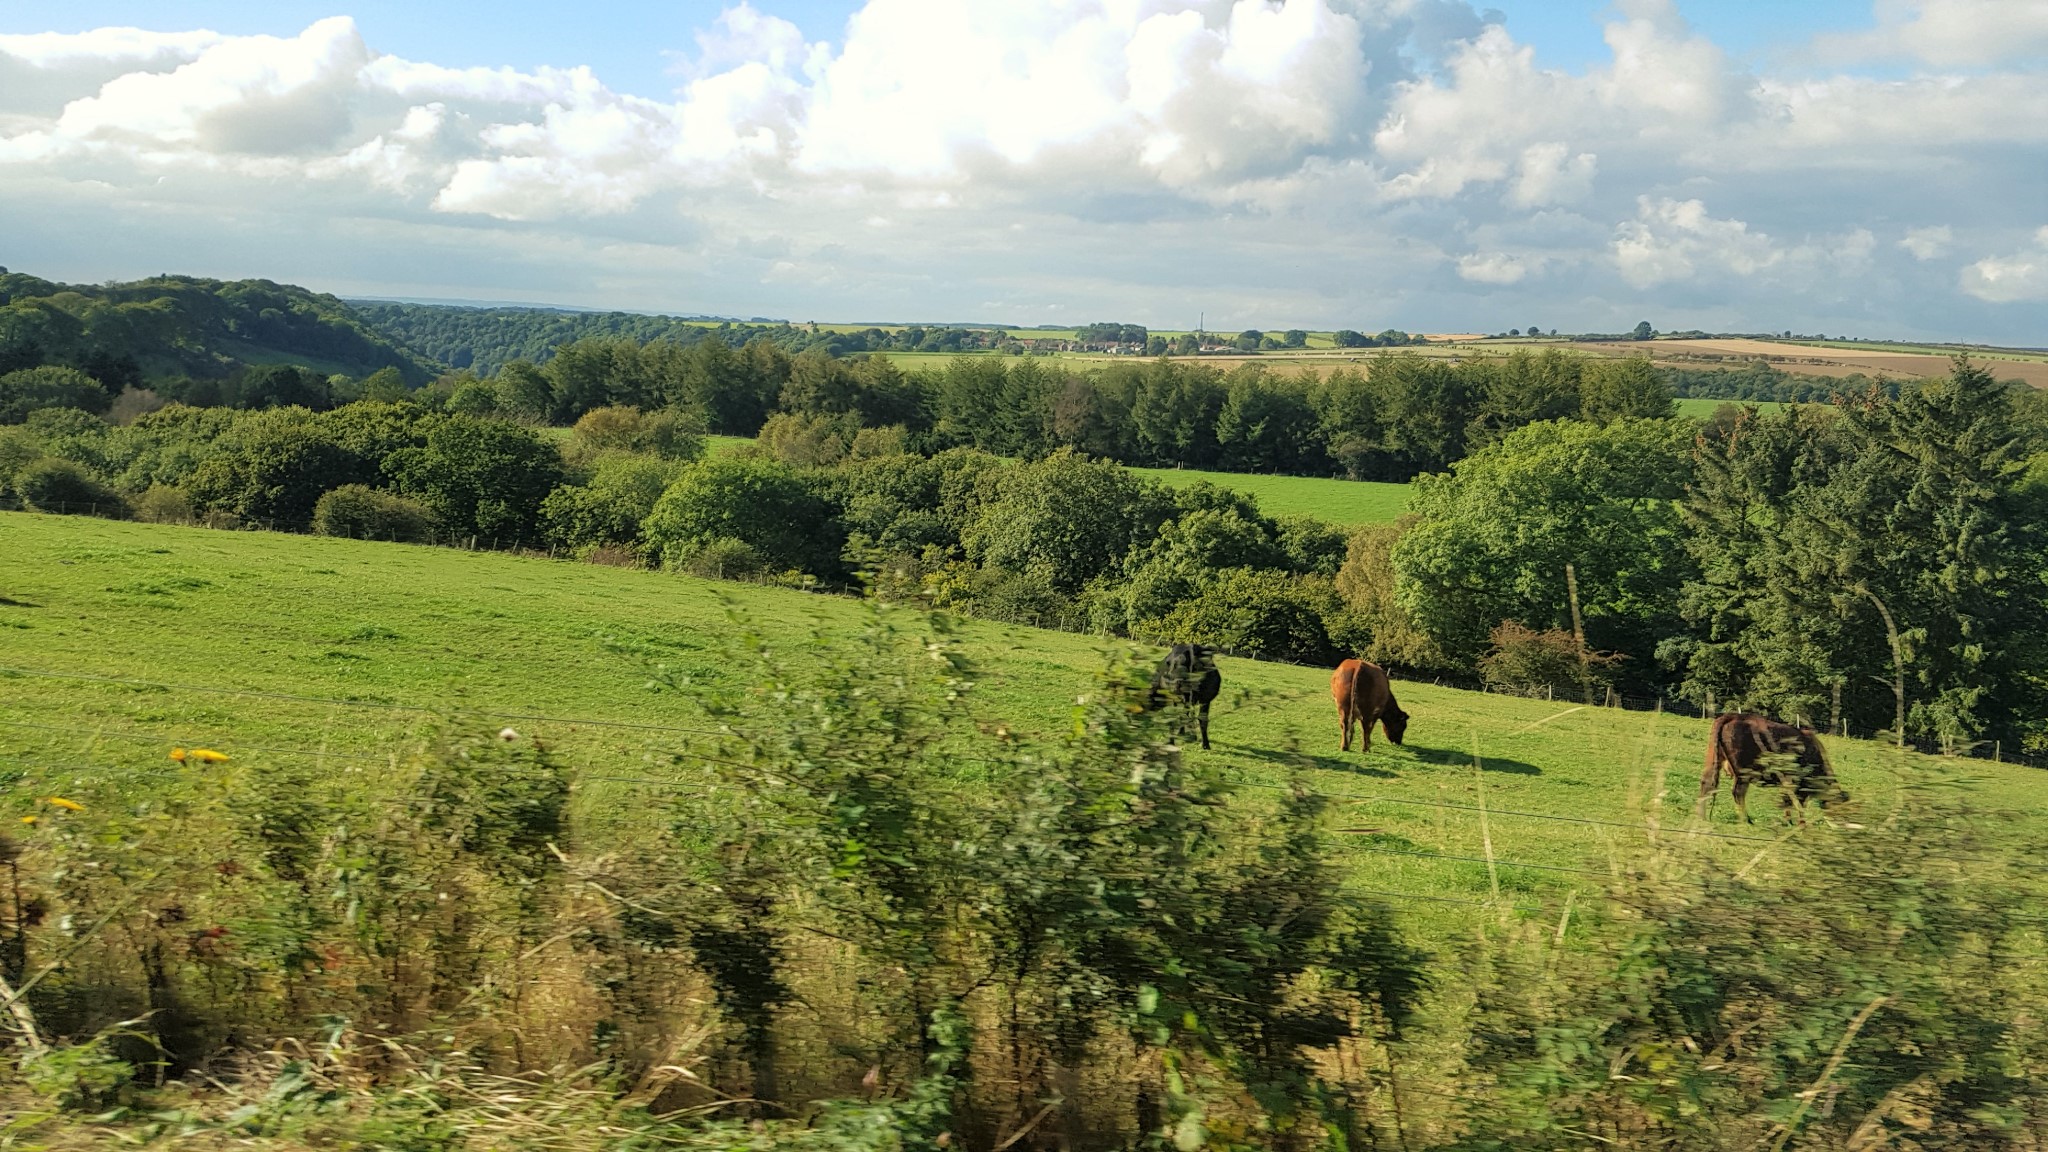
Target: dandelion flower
[(208, 756), (28, 819), (67, 805), (178, 754)]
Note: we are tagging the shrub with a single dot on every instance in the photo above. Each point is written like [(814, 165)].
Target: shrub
[(1073, 515), (474, 398), (284, 386), (483, 478), (1372, 622), (876, 443), (361, 512), (609, 509), (274, 465), (725, 558), (32, 389), (68, 488), (666, 433), (763, 502), (163, 504), (808, 440), (1523, 659), (1262, 614)]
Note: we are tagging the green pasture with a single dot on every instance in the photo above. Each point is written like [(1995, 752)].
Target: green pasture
[(121, 641), (1699, 409), (1342, 502)]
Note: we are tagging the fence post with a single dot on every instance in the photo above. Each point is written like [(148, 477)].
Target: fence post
[(1571, 584)]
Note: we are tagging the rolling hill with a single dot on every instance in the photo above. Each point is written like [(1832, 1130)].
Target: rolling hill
[(184, 326)]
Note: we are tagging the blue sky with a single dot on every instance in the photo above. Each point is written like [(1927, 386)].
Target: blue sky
[(629, 42), (1863, 167)]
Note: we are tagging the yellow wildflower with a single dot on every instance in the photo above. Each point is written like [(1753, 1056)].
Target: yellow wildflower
[(178, 754), (67, 805), (208, 755), (28, 819)]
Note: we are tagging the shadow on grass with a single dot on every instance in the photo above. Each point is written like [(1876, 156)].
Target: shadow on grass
[(1456, 758), (1287, 759)]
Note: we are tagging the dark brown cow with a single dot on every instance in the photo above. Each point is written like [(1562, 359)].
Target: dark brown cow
[(1364, 694), (1758, 749), (1189, 677)]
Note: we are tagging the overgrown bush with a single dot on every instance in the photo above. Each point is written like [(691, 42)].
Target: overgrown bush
[(163, 504), (1371, 623), (765, 503), (664, 433), (805, 441), (28, 389), (724, 558), (274, 465), (610, 508), (361, 512), (54, 485), (480, 478), (1855, 989), (1523, 659), (1265, 615)]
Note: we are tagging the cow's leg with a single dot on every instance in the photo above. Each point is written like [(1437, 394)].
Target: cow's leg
[(1365, 722), (1344, 722), (1205, 725), (1742, 795), (1710, 783)]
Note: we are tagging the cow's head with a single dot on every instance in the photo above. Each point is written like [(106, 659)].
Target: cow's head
[(1394, 722)]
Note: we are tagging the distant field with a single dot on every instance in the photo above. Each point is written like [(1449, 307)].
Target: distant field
[(1337, 501), (1976, 352), (1701, 409), (1815, 360)]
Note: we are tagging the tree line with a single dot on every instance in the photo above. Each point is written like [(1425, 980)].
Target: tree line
[(1848, 565), (1408, 414)]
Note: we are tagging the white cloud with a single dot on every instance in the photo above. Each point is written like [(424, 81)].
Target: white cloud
[(1547, 175), (1672, 239), (2022, 276), (1947, 33), (1301, 161), (1185, 92), (1928, 243), (1492, 268), (255, 94)]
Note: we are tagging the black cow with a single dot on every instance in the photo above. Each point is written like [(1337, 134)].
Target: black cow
[(1188, 675)]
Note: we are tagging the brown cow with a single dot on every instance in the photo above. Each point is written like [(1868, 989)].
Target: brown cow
[(1364, 694), (1759, 749)]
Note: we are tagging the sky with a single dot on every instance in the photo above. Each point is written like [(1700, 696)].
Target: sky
[(1852, 167)]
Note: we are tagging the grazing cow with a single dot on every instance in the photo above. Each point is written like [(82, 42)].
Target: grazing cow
[(1364, 694), (1188, 675), (1759, 749)]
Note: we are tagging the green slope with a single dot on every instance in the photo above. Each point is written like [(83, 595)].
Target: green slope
[(1337, 501), (366, 644), (171, 326)]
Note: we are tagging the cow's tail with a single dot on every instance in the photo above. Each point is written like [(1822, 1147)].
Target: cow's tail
[(1710, 774)]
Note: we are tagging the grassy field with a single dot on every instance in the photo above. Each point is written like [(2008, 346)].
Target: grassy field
[(1699, 409), (123, 640), (1337, 501)]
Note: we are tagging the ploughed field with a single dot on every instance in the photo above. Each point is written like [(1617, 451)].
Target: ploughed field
[(121, 641)]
